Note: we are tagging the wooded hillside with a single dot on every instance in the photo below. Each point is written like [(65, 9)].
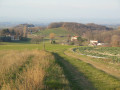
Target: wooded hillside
[(78, 28)]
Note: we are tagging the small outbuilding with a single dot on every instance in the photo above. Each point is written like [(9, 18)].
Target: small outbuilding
[(74, 38)]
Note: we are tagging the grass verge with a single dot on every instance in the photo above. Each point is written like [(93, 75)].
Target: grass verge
[(99, 79)]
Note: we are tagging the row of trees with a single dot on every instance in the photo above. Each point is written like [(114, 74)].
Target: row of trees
[(6, 34), (111, 37)]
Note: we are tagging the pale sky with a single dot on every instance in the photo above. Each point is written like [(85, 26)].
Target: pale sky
[(35, 10)]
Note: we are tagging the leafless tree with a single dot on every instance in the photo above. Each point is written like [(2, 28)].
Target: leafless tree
[(36, 39)]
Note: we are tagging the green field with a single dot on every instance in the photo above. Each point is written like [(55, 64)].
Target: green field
[(24, 66), (60, 34), (112, 53), (57, 31)]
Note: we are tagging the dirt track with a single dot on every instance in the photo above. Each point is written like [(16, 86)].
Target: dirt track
[(97, 65)]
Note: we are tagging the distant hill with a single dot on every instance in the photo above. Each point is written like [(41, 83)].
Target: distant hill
[(27, 25), (6, 25), (78, 28)]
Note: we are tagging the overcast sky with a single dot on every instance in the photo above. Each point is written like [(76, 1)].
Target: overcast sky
[(35, 10)]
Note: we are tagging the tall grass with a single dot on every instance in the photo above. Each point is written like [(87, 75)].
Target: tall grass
[(30, 70), (10, 62)]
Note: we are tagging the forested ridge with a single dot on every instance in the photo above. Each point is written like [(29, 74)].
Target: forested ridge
[(78, 28)]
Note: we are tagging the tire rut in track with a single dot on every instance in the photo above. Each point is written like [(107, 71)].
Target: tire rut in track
[(77, 79), (96, 65)]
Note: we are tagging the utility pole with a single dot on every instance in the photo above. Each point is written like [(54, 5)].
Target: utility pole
[(43, 44)]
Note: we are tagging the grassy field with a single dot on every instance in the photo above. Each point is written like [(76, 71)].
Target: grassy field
[(25, 66), (57, 31), (99, 79), (60, 34)]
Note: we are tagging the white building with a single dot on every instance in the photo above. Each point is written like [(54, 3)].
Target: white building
[(74, 38), (93, 42), (101, 44), (14, 37), (96, 43)]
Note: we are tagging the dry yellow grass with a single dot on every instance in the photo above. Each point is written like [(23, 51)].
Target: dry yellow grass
[(26, 70), (9, 63)]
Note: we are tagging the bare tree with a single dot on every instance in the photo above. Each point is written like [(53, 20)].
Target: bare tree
[(52, 38), (115, 41), (36, 39)]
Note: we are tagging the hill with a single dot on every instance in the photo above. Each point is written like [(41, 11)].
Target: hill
[(78, 28)]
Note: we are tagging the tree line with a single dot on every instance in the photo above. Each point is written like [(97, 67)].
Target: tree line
[(5, 34)]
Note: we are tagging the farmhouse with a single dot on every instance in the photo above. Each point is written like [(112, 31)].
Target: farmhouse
[(14, 37), (74, 38), (96, 43), (93, 42)]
